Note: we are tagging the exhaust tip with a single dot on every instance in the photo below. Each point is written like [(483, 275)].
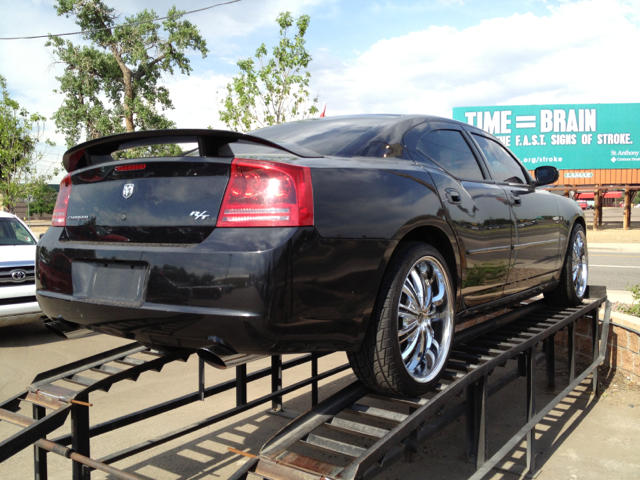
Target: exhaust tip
[(211, 358), (67, 330), (221, 356)]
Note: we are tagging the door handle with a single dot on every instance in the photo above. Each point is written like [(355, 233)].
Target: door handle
[(516, 200), (453, 195)]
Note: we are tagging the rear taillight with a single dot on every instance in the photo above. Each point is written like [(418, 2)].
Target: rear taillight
[(267, 194), (59, 218)]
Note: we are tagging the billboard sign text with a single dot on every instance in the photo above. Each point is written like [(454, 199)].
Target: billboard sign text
[(569, 137)]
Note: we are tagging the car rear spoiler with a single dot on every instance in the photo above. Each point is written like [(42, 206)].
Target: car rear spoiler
[(210, 142)]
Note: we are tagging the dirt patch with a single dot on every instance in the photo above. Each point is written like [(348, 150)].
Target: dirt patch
[(38, 229), (613, 233), (618, 387)]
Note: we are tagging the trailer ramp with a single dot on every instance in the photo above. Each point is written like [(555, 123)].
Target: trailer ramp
[(64, 391), (411, 420)]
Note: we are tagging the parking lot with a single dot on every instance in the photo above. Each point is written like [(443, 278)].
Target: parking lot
[(582, 438)]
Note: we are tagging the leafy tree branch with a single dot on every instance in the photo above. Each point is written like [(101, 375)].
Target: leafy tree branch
[(272, 90), (20, 133), (113, 84)]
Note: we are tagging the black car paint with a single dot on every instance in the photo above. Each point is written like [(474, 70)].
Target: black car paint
[(293, 289)]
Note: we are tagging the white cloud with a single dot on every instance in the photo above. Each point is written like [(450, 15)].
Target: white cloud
[(580, 52), (196, 100)]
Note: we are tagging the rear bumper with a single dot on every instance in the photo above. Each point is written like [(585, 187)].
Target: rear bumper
[(261, 290)]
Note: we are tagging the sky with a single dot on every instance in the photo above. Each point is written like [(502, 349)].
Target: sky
[(406, 57)]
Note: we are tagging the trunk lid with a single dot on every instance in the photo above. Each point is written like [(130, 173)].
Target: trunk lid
[(158, 200)]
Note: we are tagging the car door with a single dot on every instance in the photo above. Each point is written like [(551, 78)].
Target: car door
[(476, 208), (536, 234)]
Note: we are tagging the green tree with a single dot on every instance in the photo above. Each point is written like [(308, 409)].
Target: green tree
[(113, 84), (20, 133), (44, 198), (273, 90)]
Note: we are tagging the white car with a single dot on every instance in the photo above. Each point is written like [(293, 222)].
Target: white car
[(18, 302)]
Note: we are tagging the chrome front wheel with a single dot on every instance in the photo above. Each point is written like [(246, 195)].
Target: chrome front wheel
[(572, 285), (579, 267)]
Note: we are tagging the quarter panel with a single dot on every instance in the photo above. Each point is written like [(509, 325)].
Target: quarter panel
[(374, 202)]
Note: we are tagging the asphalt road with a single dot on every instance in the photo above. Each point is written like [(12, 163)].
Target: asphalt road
[(612, 215), (616, 270)]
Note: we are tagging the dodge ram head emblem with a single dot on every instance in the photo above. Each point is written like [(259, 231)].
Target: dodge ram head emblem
[(128, 190)]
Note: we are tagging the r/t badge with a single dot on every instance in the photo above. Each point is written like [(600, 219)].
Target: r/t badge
[(199, 215)]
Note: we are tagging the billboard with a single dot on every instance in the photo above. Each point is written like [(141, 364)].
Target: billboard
[(569, 137)]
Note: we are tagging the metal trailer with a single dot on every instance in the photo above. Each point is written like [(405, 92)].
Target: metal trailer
[(476, 352)]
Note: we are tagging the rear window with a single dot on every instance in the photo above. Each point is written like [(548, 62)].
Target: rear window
[(12, 232), (323, 136)]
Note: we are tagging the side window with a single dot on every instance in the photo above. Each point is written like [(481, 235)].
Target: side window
[(449, 149), (503, 167)]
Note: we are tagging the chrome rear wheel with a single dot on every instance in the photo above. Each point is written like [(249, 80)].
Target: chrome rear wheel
[(425, 319), (407, 343)]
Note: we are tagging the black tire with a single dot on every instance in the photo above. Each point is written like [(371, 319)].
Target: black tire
[(575, 271), (379, 363)]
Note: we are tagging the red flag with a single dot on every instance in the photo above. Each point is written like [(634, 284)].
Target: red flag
[(324, 110)]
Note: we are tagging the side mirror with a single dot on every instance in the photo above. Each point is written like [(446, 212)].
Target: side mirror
[(546, 175), (40, 236)]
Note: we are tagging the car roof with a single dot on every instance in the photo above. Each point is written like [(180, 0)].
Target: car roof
[(346, 135), (389, 118), (7, 215)]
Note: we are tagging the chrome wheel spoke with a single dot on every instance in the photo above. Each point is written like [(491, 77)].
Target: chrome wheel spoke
[(416, 360), (428, 295), (412, 343), (413, 305), (429, 335), (436, 347), (439, 297), (418, 286), (432, 357), (408, 329)]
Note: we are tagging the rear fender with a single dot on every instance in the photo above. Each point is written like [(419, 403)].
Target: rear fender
[(435, 231)]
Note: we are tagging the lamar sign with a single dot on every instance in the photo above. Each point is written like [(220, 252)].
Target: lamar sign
[(569, 137)]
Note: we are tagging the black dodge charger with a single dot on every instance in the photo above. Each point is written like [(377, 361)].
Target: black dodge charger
[(373, 234)]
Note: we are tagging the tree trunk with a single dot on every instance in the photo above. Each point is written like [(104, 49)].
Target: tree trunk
[(127, 81), (597, 208), (128, 100), (626, 219)]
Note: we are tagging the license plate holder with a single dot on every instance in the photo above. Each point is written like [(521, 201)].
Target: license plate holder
[(115, 283)]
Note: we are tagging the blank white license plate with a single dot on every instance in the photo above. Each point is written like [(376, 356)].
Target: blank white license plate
[(116, 283)]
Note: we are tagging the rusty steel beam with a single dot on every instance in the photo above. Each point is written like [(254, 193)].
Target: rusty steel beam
[(76, 457)]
